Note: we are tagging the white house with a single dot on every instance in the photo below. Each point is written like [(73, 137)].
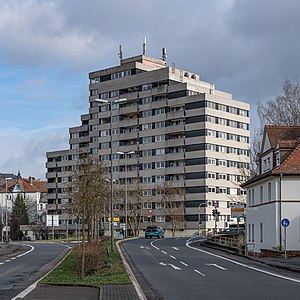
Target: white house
[(274, 193), (33, 192)]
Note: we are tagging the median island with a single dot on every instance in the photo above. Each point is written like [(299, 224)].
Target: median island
[(90, 263)]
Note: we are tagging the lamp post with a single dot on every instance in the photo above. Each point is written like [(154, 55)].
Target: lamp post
[(6, 210), (200, 205), (110, 103), (126, 189)]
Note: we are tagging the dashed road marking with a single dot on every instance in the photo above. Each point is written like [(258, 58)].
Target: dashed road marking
[(173, 256), (199, 273), (184, 263), (164, 252)]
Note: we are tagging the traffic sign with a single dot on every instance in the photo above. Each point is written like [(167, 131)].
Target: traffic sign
[(285, 222)]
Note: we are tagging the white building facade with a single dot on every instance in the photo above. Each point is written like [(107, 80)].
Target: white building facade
[(274, 194)]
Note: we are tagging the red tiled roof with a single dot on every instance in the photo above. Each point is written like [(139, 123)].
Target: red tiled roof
[(29, 185), (276, 133), (288, 144), (291, 165)]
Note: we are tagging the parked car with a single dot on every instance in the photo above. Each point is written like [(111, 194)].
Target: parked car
[(230, 230), (154, 231)]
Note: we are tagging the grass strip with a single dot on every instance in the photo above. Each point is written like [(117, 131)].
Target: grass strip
[(110, 270)]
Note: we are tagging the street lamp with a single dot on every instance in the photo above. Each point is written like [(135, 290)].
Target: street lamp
[(126, 190), (102, 101), (201, 204), (6, 215)]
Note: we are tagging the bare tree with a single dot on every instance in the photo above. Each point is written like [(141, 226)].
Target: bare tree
[(89, 192), (173, 202), (283, 110)]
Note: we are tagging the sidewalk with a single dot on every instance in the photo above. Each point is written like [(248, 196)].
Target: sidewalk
[(290, 263)]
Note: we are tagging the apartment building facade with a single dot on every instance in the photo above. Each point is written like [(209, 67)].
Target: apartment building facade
[(155, 125)]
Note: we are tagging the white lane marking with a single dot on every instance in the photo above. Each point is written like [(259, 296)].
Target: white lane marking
[(217, 266), (184, 263), (199, 273), (174, 267), (164, 252), (32, 248), (177, 239), (175, 248), (13, 258), (1, 263), (173, 256), (26, 291), (171, 265), (243, 265), (8, 260), (154, 246)]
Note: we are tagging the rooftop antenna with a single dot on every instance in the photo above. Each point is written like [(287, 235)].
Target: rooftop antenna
[(120, 53), (164, 54), (144, 46)]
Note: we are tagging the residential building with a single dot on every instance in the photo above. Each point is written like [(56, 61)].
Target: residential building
[(172, 128), (273, 194), (33, 191)]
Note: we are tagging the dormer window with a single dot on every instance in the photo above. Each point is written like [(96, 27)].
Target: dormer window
[(277, 158)]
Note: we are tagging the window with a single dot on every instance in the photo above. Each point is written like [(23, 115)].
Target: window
[(277, 158), (222, 135), (222, 176), (160, 165), (95, 80), (105, 157), (211, 175), (211, 133), (147, 87), (222, 190), (146, 126), (159, 138), (115, 118), (211, 161), (115, 131), (160, 219), (269, 191), (252, 232), (146, 153), (222, 162), (211, 147), (211, 119), (159, 111), (147, 140), (261, 191), (147, 166), (160, 151), (147, 192), (147, 179), (147, 205), (146, 113), (114, 94), (159, 178), (160, 205), (159, 124), (211, 189), (261, 232), (104, 145), (146, 100)]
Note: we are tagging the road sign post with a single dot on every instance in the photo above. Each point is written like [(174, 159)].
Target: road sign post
[(285, 223)]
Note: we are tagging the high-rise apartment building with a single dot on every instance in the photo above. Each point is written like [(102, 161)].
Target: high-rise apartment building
[(173, 129)]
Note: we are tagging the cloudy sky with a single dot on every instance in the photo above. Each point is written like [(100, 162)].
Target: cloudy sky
[(47, 48)]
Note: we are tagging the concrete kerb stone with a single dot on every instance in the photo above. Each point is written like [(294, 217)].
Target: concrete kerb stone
[(132, 277)]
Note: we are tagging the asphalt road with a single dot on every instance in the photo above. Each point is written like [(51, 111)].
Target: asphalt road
[(174, 269), (20, 270)]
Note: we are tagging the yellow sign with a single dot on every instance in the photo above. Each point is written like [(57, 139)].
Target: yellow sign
[(115, 219)]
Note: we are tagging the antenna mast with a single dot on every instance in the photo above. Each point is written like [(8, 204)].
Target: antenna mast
[(120, 54), (144, 46)]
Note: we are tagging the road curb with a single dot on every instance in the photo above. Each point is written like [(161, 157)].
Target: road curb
[(132, 277)]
